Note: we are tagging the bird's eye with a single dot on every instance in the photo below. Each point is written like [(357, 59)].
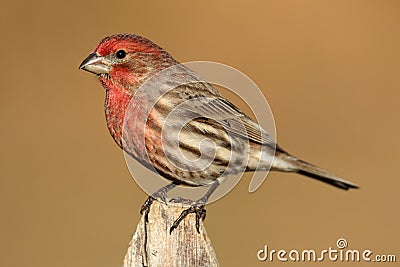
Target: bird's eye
[(120, 54)]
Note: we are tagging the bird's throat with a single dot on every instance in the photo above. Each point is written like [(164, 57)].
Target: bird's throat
[(116, 104)]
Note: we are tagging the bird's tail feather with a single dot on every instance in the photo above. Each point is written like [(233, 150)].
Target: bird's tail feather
[(317, 173)]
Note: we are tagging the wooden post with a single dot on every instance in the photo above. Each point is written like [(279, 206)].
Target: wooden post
[(153, 245)]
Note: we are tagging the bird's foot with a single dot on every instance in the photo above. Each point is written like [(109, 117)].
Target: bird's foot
[(196, 207), (146, 207), (181, 200), (160, 194)]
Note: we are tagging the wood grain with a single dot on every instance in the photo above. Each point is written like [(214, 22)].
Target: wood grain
[(153, 245)]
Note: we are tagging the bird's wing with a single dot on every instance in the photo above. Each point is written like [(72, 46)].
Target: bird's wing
[(217, 108)]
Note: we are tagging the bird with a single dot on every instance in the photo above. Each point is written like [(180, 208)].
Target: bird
[(160, 112)]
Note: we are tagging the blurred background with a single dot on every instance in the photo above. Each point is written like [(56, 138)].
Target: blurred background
[(329, 69)]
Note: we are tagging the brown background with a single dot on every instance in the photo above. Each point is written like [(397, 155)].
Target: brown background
[(330, 70)]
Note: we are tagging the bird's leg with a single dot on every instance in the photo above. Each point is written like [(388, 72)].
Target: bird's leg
[(196, 207), (160, 194)]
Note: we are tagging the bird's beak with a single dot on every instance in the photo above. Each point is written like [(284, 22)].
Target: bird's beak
[(96, 64)]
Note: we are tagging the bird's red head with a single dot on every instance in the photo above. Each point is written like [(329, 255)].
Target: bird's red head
[(125, 61), (130, 43)]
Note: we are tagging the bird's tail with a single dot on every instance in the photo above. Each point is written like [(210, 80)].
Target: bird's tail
[(294, 164)]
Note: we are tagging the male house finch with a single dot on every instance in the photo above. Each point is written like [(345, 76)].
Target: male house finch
[(124, 63)]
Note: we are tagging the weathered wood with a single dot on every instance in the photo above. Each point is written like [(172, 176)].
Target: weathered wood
[(153, 245)]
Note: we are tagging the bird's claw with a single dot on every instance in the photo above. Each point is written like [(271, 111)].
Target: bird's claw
[(159, 195), (181, 200), (196, 208), (146, 207)]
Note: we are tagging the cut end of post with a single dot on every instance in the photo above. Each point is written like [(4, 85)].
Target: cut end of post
[(153, 245)]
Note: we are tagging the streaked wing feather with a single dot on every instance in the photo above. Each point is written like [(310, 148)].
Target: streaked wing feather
[(234, 121)]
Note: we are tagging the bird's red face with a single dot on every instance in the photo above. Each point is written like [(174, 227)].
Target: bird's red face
[(125, 61)]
